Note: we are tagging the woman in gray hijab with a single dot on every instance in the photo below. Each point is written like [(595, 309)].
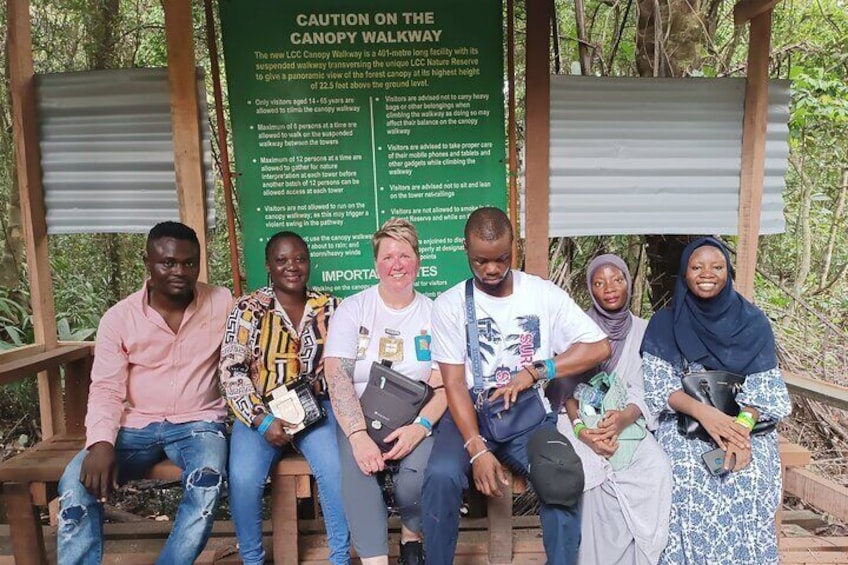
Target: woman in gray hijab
[(627, 493)]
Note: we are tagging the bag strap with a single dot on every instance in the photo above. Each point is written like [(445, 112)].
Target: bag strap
[(472, 337)]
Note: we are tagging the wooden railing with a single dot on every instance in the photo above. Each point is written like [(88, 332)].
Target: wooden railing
[(29, 479), (814, 389), (65, 404), (818, 491)]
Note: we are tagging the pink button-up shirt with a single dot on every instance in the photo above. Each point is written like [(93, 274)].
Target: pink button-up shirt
[(144, 372)]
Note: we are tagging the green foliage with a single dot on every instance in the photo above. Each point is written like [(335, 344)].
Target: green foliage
[(819, 98), (15, 319)]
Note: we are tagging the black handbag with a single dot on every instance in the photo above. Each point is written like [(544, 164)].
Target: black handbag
[(390, 401), (717, 389)]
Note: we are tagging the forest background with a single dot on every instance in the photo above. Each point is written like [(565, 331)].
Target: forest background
[(802, 275)]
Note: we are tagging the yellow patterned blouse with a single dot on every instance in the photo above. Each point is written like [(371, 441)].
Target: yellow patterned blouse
[(263, 350)]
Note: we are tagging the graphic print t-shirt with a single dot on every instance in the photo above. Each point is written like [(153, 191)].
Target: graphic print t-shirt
[(364, 328), (538, 321)]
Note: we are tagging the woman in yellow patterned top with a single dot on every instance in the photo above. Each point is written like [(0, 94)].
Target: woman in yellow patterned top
[(275, 336)]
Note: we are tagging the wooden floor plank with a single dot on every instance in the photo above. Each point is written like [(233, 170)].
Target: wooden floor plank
[(139, 544), (817, 543)]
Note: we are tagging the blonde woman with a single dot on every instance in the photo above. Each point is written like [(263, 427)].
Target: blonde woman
[(386, 322)]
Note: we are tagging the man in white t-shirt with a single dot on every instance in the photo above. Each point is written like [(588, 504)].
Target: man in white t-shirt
[(529, 331)]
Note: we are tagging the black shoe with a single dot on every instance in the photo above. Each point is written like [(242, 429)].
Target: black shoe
[(411, 553)]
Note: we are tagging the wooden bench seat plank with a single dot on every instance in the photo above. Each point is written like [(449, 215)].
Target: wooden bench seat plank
[(292, 466), (820, 492), (816, 543), (41, 467), (793, 455)]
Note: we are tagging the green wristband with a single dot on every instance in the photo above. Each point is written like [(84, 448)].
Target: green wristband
[(579, 428), (746, 420)]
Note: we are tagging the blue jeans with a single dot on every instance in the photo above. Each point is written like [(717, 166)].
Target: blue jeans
[(199, 448), (447, 476), (251, 458)]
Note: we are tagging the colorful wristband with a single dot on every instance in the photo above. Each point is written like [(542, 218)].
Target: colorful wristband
[(423, 421), (579, 428), (746, 420), (551, 369), (266, 423)]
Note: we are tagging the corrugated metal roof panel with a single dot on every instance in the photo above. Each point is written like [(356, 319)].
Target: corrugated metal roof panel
[(107, 153), (657, 156)]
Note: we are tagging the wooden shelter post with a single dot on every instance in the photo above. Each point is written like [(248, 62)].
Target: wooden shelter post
[(188, 154), (538, 135), (28, 164), (754, 125)]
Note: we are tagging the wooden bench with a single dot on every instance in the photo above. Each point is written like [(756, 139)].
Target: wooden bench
[(291, 480), (30, 479), (792, 456), (500, 519)]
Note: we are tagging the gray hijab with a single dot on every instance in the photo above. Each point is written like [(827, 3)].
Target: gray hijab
[(615, 324)]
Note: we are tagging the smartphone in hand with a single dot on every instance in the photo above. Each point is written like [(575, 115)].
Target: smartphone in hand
[(714, 460)]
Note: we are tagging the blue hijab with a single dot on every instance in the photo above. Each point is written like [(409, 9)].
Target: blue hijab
[(724, 332)]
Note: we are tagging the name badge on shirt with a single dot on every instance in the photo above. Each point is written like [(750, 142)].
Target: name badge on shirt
[(362, 344), (422, 346), (391, 348)]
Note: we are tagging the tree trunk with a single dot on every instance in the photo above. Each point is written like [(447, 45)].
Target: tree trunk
[(669, 36), (835, 229), (103, 55), (555, 39), (582, 38), (638, 274), (12, 252), (803, 231)]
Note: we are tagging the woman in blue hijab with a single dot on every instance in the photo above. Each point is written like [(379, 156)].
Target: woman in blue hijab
[(726, 517)]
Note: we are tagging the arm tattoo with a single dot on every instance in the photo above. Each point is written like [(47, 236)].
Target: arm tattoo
[(343, 397)]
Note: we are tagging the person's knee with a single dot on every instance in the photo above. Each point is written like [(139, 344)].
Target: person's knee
[(205, 478), (408, 486), (73, 512), (443, 474)]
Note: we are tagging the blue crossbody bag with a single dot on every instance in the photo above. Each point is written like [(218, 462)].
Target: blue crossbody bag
[(496, 423)]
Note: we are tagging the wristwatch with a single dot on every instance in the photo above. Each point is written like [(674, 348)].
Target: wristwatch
[(540, 368)]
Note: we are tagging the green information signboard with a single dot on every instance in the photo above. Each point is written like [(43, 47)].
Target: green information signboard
[(346, 114)]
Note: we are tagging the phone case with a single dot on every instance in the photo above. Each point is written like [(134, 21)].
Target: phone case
[(714, 460)]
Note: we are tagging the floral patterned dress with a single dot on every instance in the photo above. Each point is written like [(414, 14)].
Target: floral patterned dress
[(719, 519)]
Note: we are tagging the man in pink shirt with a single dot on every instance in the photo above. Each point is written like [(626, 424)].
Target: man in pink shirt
[(154, 395)]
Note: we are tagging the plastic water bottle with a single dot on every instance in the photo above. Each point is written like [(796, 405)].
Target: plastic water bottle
[(589, 395)]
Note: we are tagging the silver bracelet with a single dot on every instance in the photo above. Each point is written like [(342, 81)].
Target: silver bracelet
[(486, 450), (472, 438)]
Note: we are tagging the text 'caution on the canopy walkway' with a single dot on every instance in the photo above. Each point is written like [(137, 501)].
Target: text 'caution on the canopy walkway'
[(346, 114)]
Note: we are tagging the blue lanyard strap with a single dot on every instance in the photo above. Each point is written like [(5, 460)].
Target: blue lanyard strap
[(472, 337)]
